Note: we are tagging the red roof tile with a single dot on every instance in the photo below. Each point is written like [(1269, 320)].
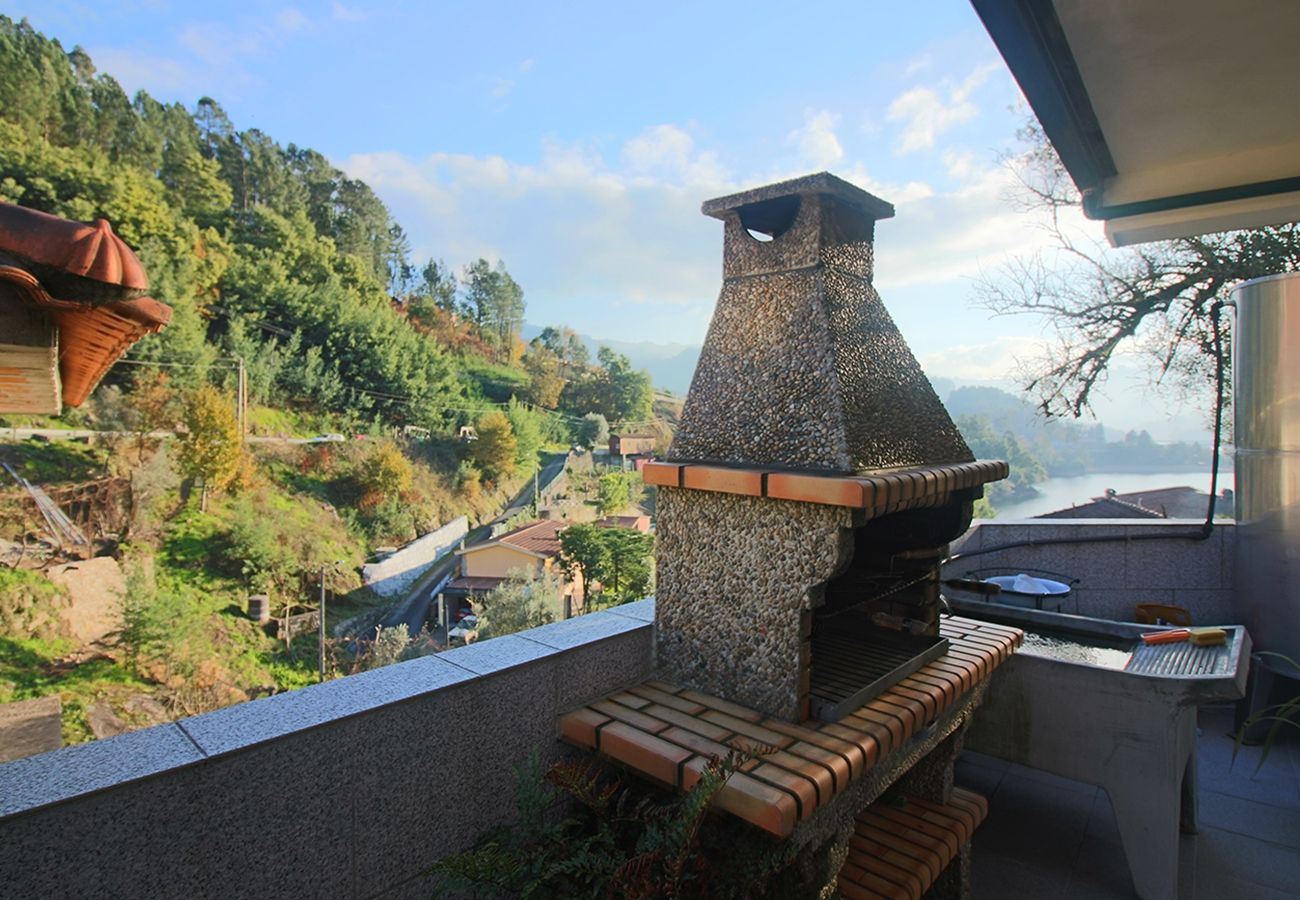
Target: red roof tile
[(90, 251), (91, 338), (541, 537)]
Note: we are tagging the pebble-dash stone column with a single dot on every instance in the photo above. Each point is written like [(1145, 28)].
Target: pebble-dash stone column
[(733, 576), (803, 368)]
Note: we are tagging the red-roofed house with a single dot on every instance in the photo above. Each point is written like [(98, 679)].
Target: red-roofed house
[(71, 303), (535, 547)]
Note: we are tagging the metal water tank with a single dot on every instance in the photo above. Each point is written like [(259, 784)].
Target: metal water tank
[(1266, 411)]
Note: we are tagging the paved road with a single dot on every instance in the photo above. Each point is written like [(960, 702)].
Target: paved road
[(72, 434), (524, 499)]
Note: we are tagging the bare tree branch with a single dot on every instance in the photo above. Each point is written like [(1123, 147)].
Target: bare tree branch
[(1154, 299)]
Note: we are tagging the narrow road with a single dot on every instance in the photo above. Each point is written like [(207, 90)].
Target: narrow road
[(413, 609), (73, 434)]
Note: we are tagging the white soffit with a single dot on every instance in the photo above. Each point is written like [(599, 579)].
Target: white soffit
[(1174, 119)]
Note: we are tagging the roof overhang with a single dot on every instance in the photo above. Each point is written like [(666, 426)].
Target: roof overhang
[(1173, 120)]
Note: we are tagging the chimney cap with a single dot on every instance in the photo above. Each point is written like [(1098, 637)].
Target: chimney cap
[(819, 183)]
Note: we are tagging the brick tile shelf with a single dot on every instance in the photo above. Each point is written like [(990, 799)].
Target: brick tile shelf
[(898, 851), (882, 492), (668, 734)]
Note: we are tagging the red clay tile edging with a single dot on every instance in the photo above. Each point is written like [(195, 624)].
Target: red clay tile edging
[(668, 734), (879, 492)]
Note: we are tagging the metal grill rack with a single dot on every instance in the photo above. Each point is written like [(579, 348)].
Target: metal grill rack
[(857, 661)]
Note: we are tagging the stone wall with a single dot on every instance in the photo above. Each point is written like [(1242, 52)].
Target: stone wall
[(736, 578), (1116, 575), (396, 573), (351, 788)]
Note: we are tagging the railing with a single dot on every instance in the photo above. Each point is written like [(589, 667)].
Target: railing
[(349, 788)]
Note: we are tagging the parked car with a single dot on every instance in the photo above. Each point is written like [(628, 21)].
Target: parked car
[(464, 630)]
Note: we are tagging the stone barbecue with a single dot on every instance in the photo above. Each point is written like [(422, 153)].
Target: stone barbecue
[(815, 479), (803, 509)]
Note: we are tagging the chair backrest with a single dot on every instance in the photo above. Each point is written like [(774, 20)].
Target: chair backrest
[(1162, 614)]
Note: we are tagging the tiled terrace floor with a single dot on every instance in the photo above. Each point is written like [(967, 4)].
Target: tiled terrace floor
[(1051, 838)]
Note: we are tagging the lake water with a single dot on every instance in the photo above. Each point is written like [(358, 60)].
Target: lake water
[(1059, 493)]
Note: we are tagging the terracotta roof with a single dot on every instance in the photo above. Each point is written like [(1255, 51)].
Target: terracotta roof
[(1175, 502), (475, 584), (89, 285), (1103, 508), (74, 248), (91, 338), (542, 537)]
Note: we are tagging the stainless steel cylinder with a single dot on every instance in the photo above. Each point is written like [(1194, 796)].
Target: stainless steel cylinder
[(1266, 412)]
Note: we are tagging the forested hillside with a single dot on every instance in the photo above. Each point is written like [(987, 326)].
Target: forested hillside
[(268, 252), (275, 260)]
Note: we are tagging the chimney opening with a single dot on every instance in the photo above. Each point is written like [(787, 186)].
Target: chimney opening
[(767, 220)]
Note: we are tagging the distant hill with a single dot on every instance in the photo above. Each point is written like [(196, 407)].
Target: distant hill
[(670, 365)]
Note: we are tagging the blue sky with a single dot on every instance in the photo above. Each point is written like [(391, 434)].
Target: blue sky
[(576, 141)]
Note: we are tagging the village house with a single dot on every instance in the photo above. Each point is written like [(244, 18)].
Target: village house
[(533, 548)]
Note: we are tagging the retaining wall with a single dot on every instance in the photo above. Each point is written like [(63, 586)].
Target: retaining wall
[(394, 575)]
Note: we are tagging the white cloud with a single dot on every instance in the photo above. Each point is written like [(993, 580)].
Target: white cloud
[(341, 13), (290, 19), (666, 153), (918, 64), (588, 240), (816, 141), (928, 112), (615, 240), (998, 359), (526, 66)]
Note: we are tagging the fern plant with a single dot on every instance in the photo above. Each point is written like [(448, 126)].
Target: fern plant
[(584, 830)]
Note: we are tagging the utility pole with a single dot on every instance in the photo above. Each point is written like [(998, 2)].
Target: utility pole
[(320, 634), (241, 399)]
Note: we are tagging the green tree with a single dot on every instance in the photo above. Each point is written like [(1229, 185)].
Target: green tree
[(628, 572), (529, 432), (593, 430), (545, 376), (212, 448), (567, 346), (495, 302), (524, 600), (495, 451), (616, 490), (614, 389), (583, 553)]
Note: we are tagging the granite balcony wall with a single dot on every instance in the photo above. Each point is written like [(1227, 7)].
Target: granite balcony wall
[(1115, 576), (345, 789)]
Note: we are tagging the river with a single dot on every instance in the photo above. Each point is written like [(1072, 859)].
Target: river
[(1059, 493)]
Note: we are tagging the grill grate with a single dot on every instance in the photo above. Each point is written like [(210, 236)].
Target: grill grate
[(858, 661), (1180, 659)]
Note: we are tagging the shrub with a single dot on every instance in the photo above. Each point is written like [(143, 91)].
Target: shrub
[(495, 450)]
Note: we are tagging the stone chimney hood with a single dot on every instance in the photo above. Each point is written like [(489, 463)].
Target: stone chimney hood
[(803, 368)]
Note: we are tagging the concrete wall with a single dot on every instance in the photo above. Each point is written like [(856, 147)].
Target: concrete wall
[(1161, 567), (396, 574), (335, 790)]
